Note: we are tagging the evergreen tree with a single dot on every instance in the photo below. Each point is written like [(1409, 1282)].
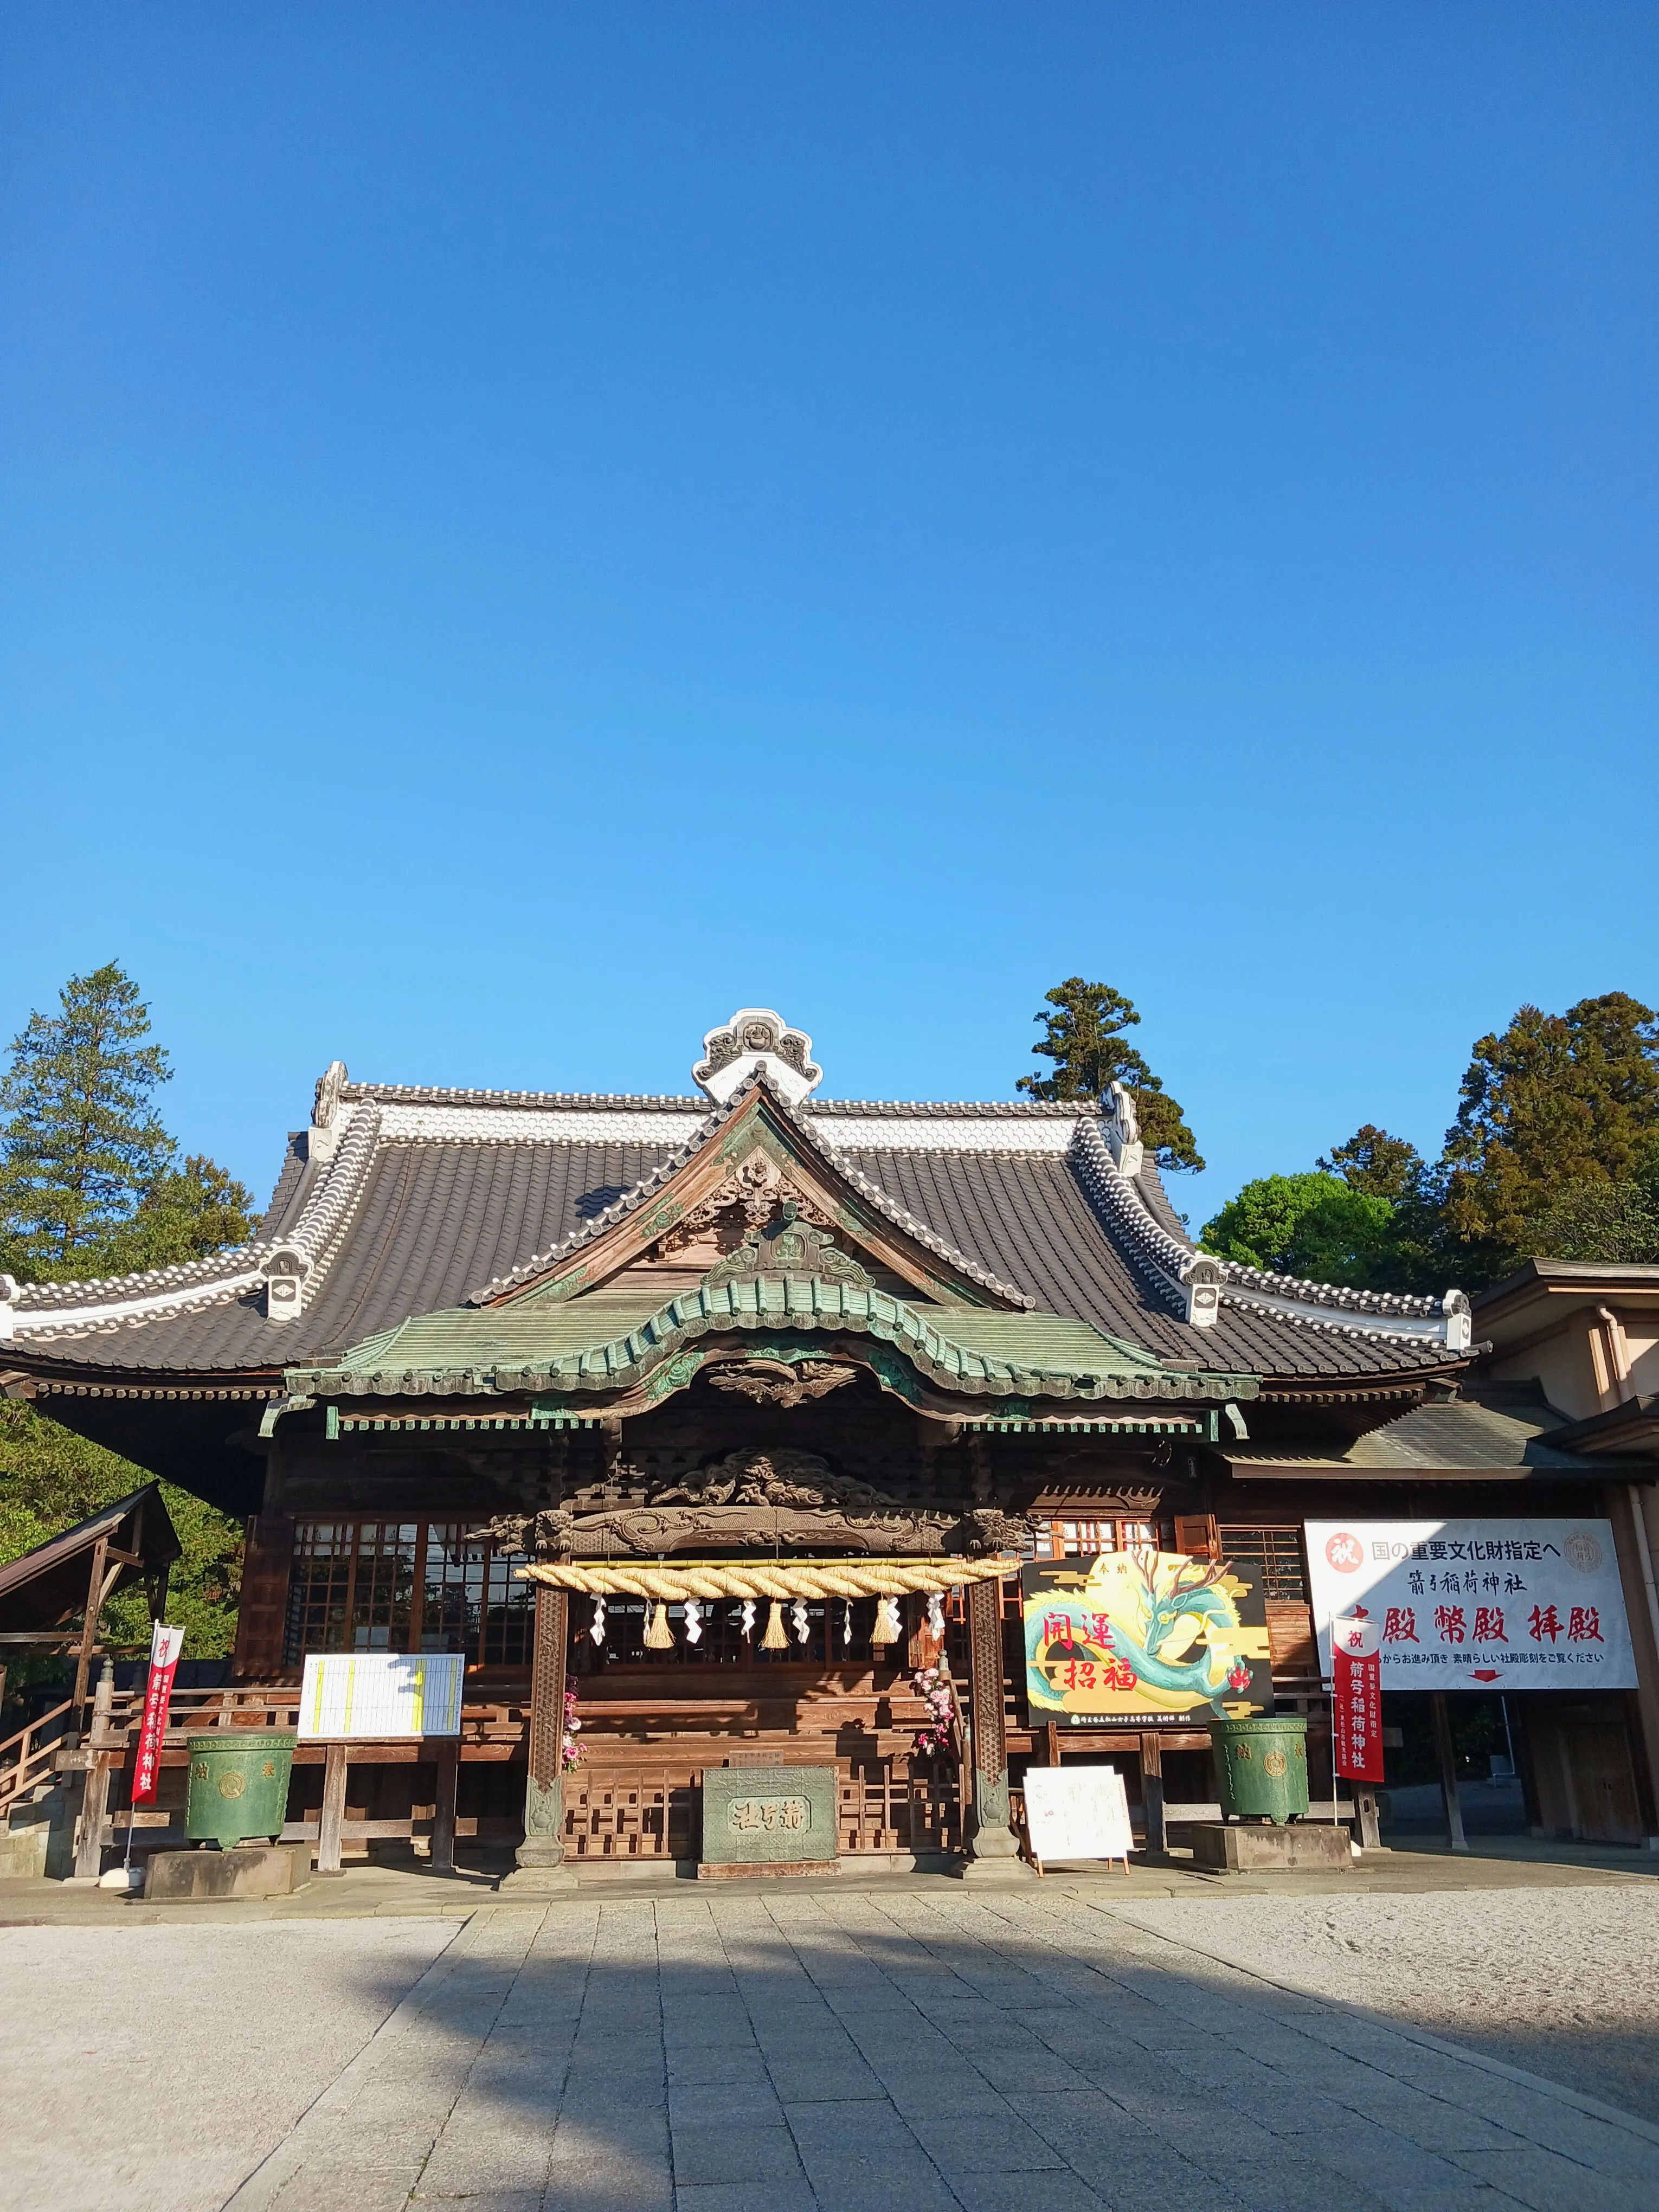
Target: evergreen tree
[(1374, 1162), (1085, 1040), (89, 1179), (81, 1144), (187, 1214), (1557, 1101)]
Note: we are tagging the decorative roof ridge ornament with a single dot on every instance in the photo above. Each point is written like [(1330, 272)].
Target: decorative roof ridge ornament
[(323, 1137), (1119, 1125), (756, 1041)]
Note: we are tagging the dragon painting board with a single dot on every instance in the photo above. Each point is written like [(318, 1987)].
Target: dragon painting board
[(1140, 1637)]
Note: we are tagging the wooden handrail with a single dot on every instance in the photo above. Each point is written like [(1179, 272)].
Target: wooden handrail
[(30, 1763)]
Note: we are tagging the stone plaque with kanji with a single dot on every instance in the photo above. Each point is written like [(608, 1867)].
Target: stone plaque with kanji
[(769, 1816)]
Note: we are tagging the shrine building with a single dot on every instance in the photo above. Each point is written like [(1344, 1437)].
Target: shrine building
[(715, 1422)]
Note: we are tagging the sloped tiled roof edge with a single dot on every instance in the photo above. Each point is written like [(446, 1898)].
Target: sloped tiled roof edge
[(41, 1312), (713, 1122), (1166, 1263), (809, 1303)]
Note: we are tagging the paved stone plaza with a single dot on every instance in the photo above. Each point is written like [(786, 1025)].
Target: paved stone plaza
[(764, 2048)]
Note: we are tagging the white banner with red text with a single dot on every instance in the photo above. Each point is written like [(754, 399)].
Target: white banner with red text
[(1477, 1605)]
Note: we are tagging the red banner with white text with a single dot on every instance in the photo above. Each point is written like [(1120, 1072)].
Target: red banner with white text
[(165, 1645), (1357, 1696)]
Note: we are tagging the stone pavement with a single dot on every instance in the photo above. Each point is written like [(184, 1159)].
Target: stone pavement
[(906, 2050)]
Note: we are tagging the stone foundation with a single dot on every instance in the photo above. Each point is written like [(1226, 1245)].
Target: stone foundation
[(1258, 1847), (250, 1870)]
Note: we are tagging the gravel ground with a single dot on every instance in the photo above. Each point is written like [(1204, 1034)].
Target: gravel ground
[(153, 2067), (1563, 1981)]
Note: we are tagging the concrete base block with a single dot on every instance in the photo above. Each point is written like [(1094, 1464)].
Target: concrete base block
[(250, 1870), (23, 1854), (1258, 1847), (539, 1880), (987, 1872)]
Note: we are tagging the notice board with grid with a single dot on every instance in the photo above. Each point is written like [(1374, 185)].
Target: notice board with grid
[(381, 1693)]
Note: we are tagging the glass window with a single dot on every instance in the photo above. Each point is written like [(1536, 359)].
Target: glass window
[(1274, 1554), (405, 1586)]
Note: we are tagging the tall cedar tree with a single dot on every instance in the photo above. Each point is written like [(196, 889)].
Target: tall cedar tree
[(1557, 1102), (89, 1179), (1084, 1041)]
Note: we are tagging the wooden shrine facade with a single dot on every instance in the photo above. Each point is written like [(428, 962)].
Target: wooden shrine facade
[(518, 1376)]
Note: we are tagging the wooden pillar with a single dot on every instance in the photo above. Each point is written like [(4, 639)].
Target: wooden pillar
[(993, 1846), (541, 1855), (1151, 1790), (1443, 1744), (89, 1626), (94, 1799), (335, 1762), (1371, 1832), (443, 1815)]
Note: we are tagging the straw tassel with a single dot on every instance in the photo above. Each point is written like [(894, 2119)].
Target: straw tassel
[(660, 1636), (774, 1639), (886, 1630)]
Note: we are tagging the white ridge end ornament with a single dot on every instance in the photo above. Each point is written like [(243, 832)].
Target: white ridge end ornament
[(757, 1041)]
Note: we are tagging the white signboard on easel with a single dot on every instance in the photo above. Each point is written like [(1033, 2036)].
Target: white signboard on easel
[(381, 1693), (1077, 1813)]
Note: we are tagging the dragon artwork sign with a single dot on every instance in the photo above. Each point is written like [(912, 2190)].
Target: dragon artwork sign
[(1138, 1639)]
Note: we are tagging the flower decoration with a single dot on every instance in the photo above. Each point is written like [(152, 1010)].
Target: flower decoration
[(932, 1685), (570, 1752)]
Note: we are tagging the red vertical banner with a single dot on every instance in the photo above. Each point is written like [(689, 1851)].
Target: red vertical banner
[(1357, 1696), (165, 1645)]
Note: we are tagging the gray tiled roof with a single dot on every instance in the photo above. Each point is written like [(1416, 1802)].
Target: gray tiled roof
[(430, 1195)]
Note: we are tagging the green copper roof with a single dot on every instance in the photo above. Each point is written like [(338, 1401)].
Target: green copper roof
[(611, 1343)]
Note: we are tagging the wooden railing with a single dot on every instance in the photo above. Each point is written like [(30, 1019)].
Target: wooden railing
[(30, 1755)]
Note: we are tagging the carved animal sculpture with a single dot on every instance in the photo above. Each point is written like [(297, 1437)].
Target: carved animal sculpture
[(781, 1381), (775, 1478)]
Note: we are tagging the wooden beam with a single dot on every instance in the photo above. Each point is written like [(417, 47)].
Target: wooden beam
[(1448, 1757), (443, 1819), (334, 1797)]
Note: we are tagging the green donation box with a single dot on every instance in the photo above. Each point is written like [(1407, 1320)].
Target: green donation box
[(1262, 1766), (238, 1785)]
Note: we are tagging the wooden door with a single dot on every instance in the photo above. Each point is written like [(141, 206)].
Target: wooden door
[(1603, 1781)]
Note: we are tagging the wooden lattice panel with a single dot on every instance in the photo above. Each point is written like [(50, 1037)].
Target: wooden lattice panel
[(628, 1813)]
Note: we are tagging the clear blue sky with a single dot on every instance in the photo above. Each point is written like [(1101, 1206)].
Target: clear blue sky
[(527, 526)]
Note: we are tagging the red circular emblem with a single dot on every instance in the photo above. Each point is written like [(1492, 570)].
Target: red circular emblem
[(1346, 1553)]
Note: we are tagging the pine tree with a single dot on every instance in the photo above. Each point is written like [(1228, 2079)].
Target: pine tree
[(1084, 1041)]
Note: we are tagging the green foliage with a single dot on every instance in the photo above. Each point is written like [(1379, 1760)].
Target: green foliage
[(187, 1214), (1555, 1152), (1085, 1040), (89, 1179), (1556, 1102), (50, 1479), (1317, 1226), (1372, 1161), (1607, 1221)]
